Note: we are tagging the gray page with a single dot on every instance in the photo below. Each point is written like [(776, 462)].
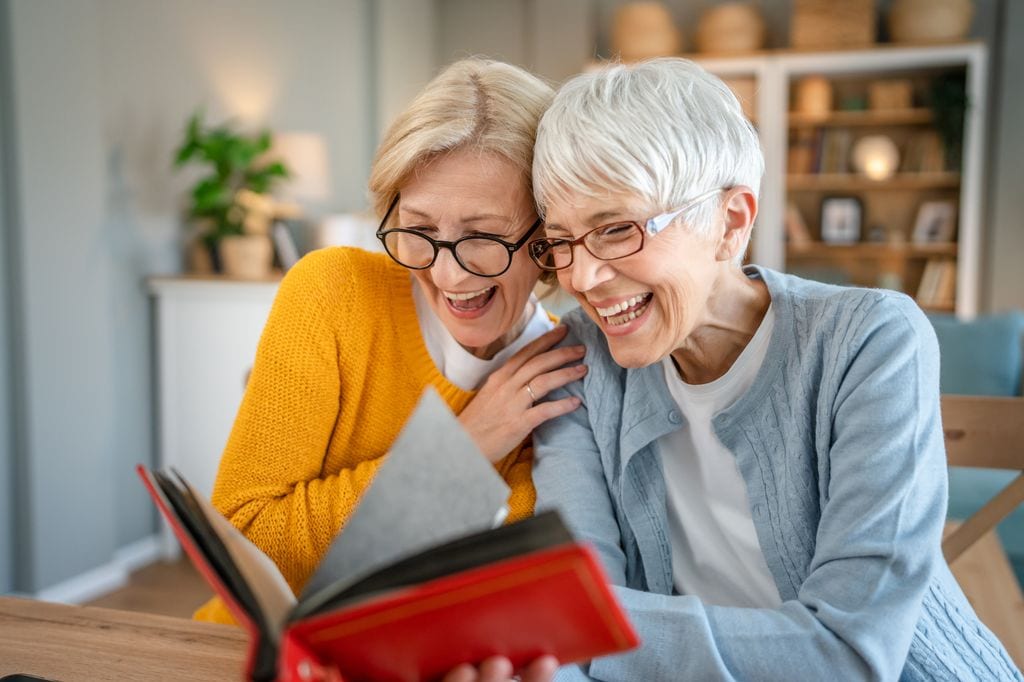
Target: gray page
[(434, 486)]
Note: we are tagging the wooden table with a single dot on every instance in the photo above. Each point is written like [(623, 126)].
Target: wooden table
[(70, 643)]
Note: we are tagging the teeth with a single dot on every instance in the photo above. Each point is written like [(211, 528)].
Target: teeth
[(458, 296), (613, 318), (619, 307)]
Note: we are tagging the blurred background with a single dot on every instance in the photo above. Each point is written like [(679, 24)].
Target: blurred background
[(119, 341)]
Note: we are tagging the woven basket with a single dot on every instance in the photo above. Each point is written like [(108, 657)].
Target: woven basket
[(819, 24)]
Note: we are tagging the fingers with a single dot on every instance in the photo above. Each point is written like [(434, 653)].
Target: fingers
[(540, 344), (499, 669), (462, 673), (542, 669), (542, 412), (545, 383), (549, 360), (495, 669)]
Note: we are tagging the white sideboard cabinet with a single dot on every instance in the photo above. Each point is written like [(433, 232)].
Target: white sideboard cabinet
[(207, 330)]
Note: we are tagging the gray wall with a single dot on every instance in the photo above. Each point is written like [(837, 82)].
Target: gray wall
[(1005, 276), (100, 91), (7, 504)]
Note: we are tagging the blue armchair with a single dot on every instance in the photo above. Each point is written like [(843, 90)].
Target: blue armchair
[(984, 356)]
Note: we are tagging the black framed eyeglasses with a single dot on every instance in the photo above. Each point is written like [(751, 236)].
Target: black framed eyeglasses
[(479, 254), (607, 242)]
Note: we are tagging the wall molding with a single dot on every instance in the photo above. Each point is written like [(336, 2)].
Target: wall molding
[(104, 579)]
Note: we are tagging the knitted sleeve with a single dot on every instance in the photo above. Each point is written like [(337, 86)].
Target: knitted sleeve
[(271, 484), (517, 470)]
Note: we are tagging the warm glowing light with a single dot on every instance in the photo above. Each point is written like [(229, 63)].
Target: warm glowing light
[(876, 157)]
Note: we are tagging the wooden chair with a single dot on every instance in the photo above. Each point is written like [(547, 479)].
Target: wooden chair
[(987, 432)]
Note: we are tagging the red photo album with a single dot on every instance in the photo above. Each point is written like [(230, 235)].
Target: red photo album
[(395, 602)]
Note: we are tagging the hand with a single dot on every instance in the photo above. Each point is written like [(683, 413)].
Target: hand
[(506, 409), (499, 669)]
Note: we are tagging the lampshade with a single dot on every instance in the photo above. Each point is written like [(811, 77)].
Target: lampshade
[(305, 155), (876, 156)]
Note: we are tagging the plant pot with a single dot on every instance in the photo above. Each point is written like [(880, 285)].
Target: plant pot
[(246, 256)]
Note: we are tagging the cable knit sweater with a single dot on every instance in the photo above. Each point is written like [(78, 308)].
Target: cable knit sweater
[(340, 367), (839, 443)]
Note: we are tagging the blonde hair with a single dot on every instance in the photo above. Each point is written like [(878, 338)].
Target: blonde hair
[(477, 104)]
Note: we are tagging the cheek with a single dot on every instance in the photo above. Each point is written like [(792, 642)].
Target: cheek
[(422, 278), (565, 280), (680, 299), (518, 282)]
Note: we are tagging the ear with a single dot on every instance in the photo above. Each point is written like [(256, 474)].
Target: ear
[(740, 210)]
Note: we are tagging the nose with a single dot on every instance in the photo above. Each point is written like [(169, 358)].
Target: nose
[(587, 272), (446, 271)]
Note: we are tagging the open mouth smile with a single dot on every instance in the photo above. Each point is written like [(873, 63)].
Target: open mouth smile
[(625, 311)]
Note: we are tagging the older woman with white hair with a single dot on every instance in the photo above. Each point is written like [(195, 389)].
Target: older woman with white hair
[(759, 459)]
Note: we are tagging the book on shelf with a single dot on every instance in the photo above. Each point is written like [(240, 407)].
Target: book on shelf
[(937, 288), (797, 233), (418, 581), (924, 153), (802, 151), (834, 153)]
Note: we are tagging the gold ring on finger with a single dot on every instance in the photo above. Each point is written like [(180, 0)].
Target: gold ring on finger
[(533, 398)]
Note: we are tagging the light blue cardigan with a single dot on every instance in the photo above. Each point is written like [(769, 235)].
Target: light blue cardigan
[(839, 442)]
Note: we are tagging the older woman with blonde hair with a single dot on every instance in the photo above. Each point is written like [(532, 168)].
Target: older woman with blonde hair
[(759, 459), (354, 337)]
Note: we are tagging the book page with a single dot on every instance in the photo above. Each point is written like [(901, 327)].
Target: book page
[(434, 486), (259, 571)]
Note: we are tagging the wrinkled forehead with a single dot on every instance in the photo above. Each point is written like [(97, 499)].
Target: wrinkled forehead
[(575, 211)]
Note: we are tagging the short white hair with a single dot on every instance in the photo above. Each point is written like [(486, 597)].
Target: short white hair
[(664, 129)]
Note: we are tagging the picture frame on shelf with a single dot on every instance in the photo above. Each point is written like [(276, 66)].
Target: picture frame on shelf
[(841, 220), (935, 222)]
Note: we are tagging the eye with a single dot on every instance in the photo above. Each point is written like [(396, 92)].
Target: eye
[(421, 229), (616, 231)]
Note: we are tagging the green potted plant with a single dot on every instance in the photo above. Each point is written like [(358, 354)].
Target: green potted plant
[(231, 207)]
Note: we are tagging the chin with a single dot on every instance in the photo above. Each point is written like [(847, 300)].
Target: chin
[(631, 356)]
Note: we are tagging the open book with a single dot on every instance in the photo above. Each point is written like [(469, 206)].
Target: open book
[(418, 581)]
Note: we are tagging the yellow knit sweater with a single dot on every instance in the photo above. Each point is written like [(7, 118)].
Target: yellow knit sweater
[(340, 366)]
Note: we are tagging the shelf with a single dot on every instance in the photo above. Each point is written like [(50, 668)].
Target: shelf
[(890, 117), (870, 250), (937, 307), (849, 182)]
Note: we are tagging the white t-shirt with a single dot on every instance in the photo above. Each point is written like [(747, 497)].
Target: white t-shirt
[(715, 551), (457, 364)]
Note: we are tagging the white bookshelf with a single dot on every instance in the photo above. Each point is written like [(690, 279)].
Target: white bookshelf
[(774, 74)]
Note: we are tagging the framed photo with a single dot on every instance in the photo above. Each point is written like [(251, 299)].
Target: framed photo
[(841, 219), (936, 222)]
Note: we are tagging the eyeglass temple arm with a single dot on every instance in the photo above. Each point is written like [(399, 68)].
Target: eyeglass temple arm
[(660, 222)]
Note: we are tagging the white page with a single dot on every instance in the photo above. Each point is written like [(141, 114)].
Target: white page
[(434, 486)]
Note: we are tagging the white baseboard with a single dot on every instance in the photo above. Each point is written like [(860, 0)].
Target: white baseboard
[(106, 578)]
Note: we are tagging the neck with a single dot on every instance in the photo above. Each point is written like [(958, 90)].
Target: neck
[(490, 350), (733, 313)]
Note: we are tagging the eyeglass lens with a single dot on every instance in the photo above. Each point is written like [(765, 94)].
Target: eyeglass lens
[(478, 255), (608, 242)]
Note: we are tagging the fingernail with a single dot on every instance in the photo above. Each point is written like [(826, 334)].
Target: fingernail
[(581, 369)]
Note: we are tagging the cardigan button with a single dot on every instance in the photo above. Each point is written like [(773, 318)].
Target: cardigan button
[(675, 417)]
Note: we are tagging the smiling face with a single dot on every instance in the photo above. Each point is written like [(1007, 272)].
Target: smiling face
[(465, 193), (647, 304)]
